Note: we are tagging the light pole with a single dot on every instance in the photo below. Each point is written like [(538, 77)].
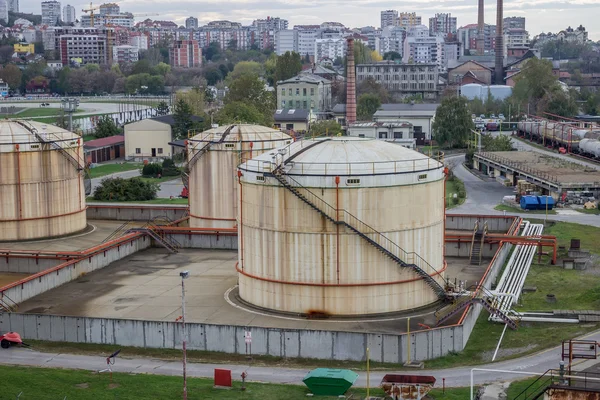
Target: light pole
[(184, 275)]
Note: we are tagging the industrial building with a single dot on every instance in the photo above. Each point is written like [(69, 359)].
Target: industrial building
[(41, 185), (213, 157)]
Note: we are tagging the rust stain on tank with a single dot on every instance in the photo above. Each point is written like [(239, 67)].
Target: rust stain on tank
[(317, 314)]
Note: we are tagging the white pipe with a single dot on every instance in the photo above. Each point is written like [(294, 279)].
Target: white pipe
[(552, 320), (499, 341)]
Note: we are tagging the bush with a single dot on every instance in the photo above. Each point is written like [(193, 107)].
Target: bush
[(152, 170), (169, 168), (119, 189)]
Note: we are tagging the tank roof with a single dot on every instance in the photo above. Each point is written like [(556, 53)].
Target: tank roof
[(346, 156), (14, 132), (241, 132)]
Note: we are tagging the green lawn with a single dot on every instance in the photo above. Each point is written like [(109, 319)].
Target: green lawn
[(46, 383), (565, 231), (507, 208), (593, 211), (158, 180), (455, 186), (107, 169), (176, 200), (517, 387), (450, 394)]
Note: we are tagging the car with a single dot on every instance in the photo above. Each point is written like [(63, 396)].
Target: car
[(482, 116), (493, 116), (44, 104), (501, 116)]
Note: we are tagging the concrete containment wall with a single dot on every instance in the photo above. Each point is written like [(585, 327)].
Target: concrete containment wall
[(214, 241), (121, 212), (325, 345), (68, 271), (463, 249), (27, 265), (496, 223)]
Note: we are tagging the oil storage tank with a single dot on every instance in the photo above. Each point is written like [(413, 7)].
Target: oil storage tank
[(213, 157), (321, 220), (42, 191)]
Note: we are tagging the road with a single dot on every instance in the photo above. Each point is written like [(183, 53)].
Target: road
[(454, 377), (85, 108), (484, 194)]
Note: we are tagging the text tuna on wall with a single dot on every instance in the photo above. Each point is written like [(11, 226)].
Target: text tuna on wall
[(320, 257), (213, 157), (42, 191)]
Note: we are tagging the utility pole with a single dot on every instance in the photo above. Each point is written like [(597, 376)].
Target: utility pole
[(69, 106), (184, 275)]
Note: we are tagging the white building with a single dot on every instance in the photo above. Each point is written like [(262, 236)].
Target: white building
[(139, 40), (25, 23), (419, 47), (516, 37), (69, 15), (419, 116), (389, 18), (407, 20), (122, 19), (307, 34), (442, 24), (191, 23), (391, 39), (125, 54), (331, 48), (4, 11), (13, 6), (399, 132), (50, 12), (286, 40)]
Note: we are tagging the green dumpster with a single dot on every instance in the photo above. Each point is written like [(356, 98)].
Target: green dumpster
[(329, 382)]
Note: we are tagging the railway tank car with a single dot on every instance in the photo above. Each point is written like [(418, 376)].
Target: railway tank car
[(558, 134)]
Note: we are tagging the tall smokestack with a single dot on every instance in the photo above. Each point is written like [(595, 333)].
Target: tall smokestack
[(499, 70), (480, 29), (350, 85)]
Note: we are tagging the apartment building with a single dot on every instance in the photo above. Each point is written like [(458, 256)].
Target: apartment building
[(407, 20), (330, 48), (389, 18), (442, 24), (69, 15), (402, 79), (191, 23), (307, 34), (125, 54), (4, 7), (467, 36), (420, 47), (514, 23), (185, 54), (85, 49), (50, 13), (286, 40), (306, 92)]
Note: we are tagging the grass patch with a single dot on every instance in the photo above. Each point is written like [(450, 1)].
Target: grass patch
[(107, 169), (507, 208), (159, 180), (517, 387), (160, 200), (592, 211), (41, 112), (43, 383), (529, 338), (455, 186), (565, 231), (451, 393)]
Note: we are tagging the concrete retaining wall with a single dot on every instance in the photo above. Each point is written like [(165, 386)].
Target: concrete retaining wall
[(27, 265), (467, 222), (463, 249), (206, 241), (71, 270), (134, 213), (230, 339)]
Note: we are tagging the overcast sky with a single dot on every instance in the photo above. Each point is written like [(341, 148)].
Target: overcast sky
[(542, 15)]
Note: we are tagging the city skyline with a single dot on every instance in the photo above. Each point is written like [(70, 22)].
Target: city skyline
[(542, 15)]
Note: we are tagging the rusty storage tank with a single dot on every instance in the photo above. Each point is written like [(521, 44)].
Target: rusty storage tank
[(213, 157), (41, 181), (369, 199)]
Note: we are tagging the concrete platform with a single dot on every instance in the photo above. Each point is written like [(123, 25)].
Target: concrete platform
[(10, 277), (99, 231), (147, 286)]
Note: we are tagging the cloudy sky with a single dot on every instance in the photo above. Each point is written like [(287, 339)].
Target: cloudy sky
[(542, 15)]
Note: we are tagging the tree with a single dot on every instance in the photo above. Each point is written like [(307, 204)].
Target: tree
[(245, 67), (142, 67), (371, 86), (194, 99), (288, 65), (453, 123), (560, 102), (106, 127), (533, 83), (92, 68), (224, 70), (11, 74), (364, 54), (162, 108), (212, 75), (6, 53), (270, 68), (213, 51), (162, 69), (327, 127), (496, 143), (183, 119), (119, 189), (39, 47), (250, 89), (392, 55), (367, 106), (238, 111)]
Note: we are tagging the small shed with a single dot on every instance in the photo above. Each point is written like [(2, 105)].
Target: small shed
[(330, 382), (530, 203), (104, 149)]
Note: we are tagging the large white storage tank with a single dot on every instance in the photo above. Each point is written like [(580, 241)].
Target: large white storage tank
[(42, 191), (471, 91), (213, 157), (294, 259)]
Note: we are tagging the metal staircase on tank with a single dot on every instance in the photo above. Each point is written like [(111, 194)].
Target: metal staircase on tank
[(370, 235), (77, 162), (483, 297), (185, 175), (479, 234)]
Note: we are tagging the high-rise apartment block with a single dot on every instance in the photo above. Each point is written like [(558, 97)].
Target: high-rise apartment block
[(286, 40), (4, 11), (406, 20), (125, 54), (13, 6), (442, 24), (69, 16), (191, 23), (514, 23), (51, 13), (467, 36), (389, 18), (185, 54)]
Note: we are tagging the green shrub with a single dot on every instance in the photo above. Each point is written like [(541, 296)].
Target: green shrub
[(152, 170), (169, 168), (119, 189)]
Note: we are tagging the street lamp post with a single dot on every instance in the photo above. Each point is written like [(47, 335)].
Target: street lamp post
[(184, 275)]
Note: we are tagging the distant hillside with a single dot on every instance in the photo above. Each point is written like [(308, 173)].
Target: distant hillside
[(12, 17)]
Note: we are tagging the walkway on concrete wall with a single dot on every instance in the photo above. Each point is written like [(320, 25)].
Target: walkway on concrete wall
[(455, 377)]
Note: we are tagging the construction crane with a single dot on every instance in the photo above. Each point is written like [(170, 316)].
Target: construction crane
[(109, 25), (91, 11)]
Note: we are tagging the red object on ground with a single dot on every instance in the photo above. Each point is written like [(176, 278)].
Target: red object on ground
[(184, 193), (223, 377), (10, 339)]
